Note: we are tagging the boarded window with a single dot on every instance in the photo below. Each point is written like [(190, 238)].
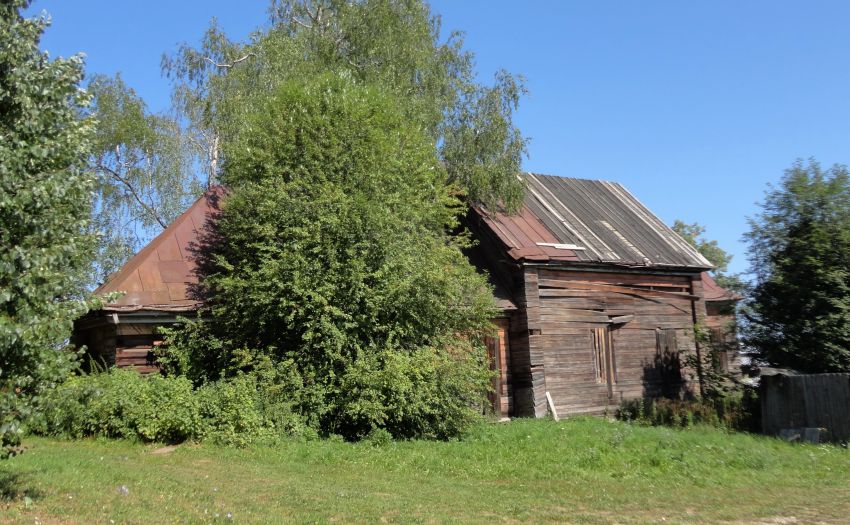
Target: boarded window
[(603, 355), (665, 341)]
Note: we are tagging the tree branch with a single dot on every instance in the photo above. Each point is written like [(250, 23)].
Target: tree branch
[(302, 24), (135, 194), (230, 64)]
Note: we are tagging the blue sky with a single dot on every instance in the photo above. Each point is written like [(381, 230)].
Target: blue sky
[(693, 106)]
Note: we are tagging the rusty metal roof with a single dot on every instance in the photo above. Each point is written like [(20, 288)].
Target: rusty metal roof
[(562, 220), (159, 276), (714, 292), (525, 236), (591, 221)]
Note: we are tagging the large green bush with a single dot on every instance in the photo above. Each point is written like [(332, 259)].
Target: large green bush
[(45, 202), (333, 254), (427, 393)]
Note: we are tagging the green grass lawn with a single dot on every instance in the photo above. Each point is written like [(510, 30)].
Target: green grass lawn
[(576, 471)]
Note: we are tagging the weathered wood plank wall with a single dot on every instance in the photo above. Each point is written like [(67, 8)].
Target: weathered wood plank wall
[(134, 346), (806, 401), (572, 304)]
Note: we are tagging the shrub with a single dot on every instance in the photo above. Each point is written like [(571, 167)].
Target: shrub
[(426, 393), (230, 414), (332, 256), (736, 411), (121, 404)]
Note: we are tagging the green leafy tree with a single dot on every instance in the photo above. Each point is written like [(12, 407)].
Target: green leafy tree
[(395, 44), (144, 168), (332, 253), (203, 88), (717, 256), (799, 314), (44, 212)]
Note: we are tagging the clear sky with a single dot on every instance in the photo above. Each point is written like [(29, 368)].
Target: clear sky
[(693, 106)]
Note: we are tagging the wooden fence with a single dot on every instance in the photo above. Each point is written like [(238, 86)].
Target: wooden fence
[(798, 402)]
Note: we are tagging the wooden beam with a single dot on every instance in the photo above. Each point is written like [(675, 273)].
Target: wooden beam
[(554, 283), (552, 406)]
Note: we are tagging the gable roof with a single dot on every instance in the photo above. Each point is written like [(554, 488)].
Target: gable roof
[(589, 221), (713, 292), (562, 220), (159, 275)]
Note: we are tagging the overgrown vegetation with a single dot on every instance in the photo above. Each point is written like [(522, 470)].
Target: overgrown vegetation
[(332, 256), (734, 411), (716, 397), (125, 404), (582, 470), (350, 136), (44, 211)]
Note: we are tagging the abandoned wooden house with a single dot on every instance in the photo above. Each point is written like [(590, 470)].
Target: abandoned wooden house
[(598, 298)]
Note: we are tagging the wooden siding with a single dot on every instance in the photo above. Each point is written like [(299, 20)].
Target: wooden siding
[(723, 341), (99, 340), (571, 305), (122, 345), (498, 348)]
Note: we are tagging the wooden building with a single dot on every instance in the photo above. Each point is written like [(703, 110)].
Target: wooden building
[(156, 286), (606, 298), (598, 298), (721, 325)]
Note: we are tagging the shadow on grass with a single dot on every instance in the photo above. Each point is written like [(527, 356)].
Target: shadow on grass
[(14, 487)]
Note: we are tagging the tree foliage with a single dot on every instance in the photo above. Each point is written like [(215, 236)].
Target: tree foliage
[(332, 253), (144, 173), (694, 234), (396, 44), (44, 211), (799, 315)]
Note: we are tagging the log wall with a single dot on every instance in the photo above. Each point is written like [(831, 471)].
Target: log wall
[(122, 345), (99, 340), (134, 346), (720, 323)]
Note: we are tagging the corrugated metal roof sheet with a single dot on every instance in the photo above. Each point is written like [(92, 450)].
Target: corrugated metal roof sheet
[(525, 236), (593, 221)]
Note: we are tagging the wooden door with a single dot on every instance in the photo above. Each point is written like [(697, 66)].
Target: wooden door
[(603, 356), (497, 352)]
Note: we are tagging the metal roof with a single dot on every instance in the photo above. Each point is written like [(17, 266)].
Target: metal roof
[(563, 220), (160, 276), (713, 292), (591, 221)]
